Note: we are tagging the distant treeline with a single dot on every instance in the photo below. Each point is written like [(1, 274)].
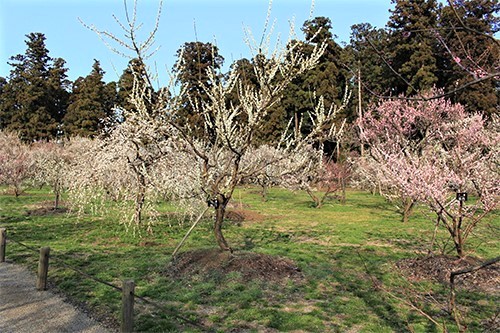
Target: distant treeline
[(424, 45)]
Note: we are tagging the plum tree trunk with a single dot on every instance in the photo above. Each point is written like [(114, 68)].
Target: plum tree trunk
[(57, 199), (17, 190), (318, 203), (343, 188), (57, 192), (220, 211), (139, 199), (459, 242), (263, 192), (408, 204)]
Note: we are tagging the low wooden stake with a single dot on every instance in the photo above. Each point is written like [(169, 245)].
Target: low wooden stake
[(127, 325), (43, 268), (3, 243)]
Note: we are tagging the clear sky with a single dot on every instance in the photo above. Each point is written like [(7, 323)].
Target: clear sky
[(219, 21)]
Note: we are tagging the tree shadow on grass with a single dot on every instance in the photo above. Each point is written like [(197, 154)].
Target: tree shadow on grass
[(6, 221), (362, 281)]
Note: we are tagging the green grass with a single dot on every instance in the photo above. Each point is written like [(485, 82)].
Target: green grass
[(343, 251)]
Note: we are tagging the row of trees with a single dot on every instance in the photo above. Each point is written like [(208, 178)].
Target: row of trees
[(423, 45), (39, 102), (426, 44), (195, 140), (420, 152), (421, 148)]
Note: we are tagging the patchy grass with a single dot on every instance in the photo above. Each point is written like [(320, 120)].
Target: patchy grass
[(346, 256)]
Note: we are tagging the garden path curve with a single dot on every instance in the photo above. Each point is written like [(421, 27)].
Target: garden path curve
[(25, 309)]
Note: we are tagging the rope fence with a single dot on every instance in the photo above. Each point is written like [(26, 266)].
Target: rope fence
[(127, 289)]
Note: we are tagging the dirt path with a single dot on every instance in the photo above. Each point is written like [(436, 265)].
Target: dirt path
[(24, 309)]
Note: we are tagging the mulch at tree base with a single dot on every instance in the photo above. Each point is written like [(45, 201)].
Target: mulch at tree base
[(46, 208), (42, 211), (439, 268), (250, 265), (238, 216)]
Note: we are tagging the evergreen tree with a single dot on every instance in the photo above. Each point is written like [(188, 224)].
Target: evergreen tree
[(327, 79), (59, 86), (363, 57), (3, 83), (469, 54), (135, 68), (111, 102), (275, 121), (412, 47), (89, 105), (194, 60), (34, 86), (3, 102)]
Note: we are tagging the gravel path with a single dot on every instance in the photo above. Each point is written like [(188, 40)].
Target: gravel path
[(23, 309)]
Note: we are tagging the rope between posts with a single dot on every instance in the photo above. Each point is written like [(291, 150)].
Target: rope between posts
[(22, 244), (143, 299), (171, 312), (88, 275)]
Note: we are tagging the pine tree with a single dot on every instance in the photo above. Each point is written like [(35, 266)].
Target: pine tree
[(363, 58), (327, 79), (136, 68), (111, 103), (89, 106), (59, 86), (33, 87), (412, 47), (194, 59), (3, 102), (276, 121), (3, 83), (471, 53)]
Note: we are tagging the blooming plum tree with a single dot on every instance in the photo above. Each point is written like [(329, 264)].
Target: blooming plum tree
[(229, 127), (16, 163), (220, 156), (51, 163), (431, 150)]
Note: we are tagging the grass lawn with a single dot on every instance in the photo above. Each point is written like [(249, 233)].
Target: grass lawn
[(346, 255)]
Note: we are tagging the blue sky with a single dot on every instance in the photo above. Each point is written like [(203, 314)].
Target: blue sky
[(221, 21)]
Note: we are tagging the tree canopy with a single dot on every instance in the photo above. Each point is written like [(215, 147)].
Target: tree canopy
[(425, 44), (34, 98), (90, 104)]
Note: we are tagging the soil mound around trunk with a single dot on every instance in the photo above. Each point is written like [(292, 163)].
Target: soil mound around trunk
[(251, 266), (46, 208), (439, 268)]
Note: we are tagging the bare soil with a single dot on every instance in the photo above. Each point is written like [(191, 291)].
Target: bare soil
[(251, 266), (238, 216), (438, 268), (46, 208)]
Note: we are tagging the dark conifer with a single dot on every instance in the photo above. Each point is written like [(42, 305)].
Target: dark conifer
[(34, 97), (136, 68), (327, 79), (195, 58), (411, 51), (470, 52), (89, 105)]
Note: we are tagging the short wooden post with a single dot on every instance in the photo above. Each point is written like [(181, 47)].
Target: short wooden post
[(127, 325), (43, 268), (3, 243)]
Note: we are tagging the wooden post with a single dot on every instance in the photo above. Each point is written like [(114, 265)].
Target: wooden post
[(43, 268), (3, 243), (127, 325)]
